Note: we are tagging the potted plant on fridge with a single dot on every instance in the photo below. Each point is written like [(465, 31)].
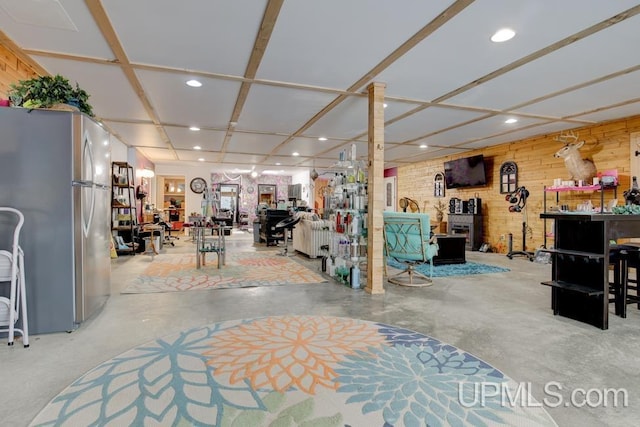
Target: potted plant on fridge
[(49, 92)]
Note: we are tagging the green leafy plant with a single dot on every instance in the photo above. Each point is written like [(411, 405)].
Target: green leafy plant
[(47, 91)]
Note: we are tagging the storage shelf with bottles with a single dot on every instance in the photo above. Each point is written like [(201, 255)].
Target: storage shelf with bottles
[(585, 207), (345, 204)]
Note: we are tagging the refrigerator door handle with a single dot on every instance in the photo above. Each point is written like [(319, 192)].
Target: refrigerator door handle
[(88, 190), (81, 183)]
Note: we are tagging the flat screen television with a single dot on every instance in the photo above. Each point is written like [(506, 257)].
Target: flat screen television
[(465, 172)]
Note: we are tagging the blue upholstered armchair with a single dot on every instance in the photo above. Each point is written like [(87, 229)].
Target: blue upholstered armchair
[(407, 239)]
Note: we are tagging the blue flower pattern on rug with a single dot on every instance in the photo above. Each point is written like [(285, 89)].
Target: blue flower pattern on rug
[(446, 270), (416, 381), (401, 378)]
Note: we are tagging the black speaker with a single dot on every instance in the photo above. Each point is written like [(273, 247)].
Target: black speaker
[(475, 206), (471, 206), (458, 206), (452, 205)]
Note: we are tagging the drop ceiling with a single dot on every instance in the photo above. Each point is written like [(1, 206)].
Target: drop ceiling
[(277, 75)]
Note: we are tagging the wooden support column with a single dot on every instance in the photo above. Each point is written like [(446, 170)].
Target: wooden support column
[(375, 190)]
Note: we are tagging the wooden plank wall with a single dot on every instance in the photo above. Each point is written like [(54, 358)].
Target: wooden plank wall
[(606, 144), (12, 70)]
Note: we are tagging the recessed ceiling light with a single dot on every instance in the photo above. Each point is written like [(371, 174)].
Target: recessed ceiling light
[(295, 153), (197, 147), (502, 35), (193, 83), (201, 159), (384, 105), (423, 145), (254, 174), (509, 121), (322, 138), (194, 128), (278, 164)]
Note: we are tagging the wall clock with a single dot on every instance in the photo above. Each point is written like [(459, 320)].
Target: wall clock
[(198, 185), (250, 189)]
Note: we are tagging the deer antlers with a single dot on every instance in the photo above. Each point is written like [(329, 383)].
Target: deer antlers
[(566, 137)]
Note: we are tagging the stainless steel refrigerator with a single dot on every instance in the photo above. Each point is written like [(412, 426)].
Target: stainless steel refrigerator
[(55, 167)]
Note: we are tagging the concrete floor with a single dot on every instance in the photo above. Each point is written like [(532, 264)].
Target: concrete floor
[(502, 318)]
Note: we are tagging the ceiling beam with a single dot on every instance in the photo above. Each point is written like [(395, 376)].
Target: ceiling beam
[(259, 46), (102, 21), (453, 10), (518, 63)]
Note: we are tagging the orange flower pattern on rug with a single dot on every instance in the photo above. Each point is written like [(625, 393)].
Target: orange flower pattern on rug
[(178, 272), (290, 352)]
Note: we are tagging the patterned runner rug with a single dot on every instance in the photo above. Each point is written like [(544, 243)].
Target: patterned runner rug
[(294, 371), (446, 270), (178, 272)]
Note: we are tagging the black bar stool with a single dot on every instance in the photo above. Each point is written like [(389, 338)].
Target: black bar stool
[(286, 226), (629, 259)]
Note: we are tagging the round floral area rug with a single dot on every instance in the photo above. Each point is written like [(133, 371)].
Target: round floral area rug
[(294, 371)]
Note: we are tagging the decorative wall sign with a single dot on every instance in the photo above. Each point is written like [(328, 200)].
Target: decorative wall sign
[(438, 184), (508, 177)]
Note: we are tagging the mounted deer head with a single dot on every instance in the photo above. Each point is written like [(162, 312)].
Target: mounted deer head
[(579, 168)]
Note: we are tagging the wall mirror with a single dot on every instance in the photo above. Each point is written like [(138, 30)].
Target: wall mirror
[(229, 199), (267, 194), (438, 184), (508, 177)]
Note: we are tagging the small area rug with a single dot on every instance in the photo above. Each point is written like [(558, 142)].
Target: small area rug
[(445, 270), (178, 272), (293, 371)]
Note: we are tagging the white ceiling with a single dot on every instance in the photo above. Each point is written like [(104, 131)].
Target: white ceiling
[(271, 70)]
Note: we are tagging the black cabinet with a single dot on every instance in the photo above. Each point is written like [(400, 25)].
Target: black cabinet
[(580, 267), (468, 225), (450, 250), (268, 220)]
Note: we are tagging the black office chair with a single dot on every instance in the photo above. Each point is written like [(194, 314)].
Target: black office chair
[(168, 228), (286, 226)]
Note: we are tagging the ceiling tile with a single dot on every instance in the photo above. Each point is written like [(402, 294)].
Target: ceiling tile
[(342, 41), (571, 65), (304, 146), (403, 151), (158, 154), (613, 113), (461, 51), (183, 138), (176, 103), (137, 134), (427, 121), (477, 130), (191, 155), (609, 92), (116, 100), (87, 40), (278, 109), (248, 160), (205, 35), (349, 119), (245, 142), (522, 134)]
